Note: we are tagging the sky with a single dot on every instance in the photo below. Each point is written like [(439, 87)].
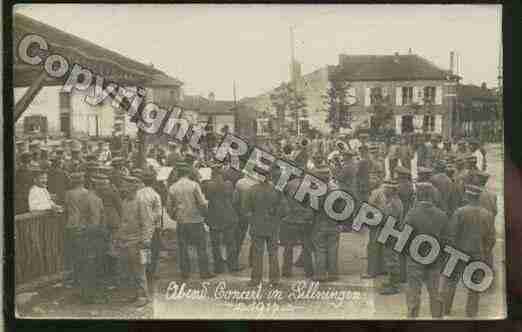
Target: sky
[(209, 47)]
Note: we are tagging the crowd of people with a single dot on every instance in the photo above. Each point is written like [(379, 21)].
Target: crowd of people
[(115, 206)]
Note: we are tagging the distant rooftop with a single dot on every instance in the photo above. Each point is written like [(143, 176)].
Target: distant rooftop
[(390, 67)]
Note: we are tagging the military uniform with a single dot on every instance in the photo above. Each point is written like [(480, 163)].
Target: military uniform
[(472, 231), (374, 249), (446, 189), (392, 207), (264, 204), (222, 220), (425, 218), (325, 237), (296, 228)]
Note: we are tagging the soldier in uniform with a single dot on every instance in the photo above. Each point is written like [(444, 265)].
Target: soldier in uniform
[(325, 237), (44, 162), (119, 171), (472, 230), (393, 207), (363, 174), (347, 177), (78, 214), (424, 175), (427, 219), (296, 228), (73, 165), (487, 200), (112, 208), (222, 220), (376, 167), (90, 239), (133, 237), (264, 205), (461, 179), (58, 180), (241, 198), (406, 193), (374, 249), (445, 187)]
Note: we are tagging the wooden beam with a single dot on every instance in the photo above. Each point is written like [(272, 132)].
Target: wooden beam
[(29, 95)]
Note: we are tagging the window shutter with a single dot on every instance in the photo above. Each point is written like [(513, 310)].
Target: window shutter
[(366, 96), (438, 124), (421, 95), (415, 98), (398, 96), (417, 122), (438, 95), (398, 123)]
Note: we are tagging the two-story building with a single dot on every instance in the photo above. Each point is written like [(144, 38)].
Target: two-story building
[(419, 95)]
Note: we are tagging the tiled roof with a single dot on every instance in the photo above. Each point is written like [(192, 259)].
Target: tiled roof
[(110, 64), (207, 106), (164, 80), (389, 67), (469, 92)]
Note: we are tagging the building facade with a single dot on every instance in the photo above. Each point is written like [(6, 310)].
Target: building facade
[(419, 96)]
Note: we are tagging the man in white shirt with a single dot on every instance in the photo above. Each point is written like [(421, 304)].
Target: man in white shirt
[(39, 197)]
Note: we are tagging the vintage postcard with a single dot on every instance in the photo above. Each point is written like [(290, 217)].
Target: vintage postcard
[(192, 161)]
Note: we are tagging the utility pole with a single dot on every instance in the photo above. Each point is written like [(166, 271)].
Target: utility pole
[(293, 78), (236, 112)]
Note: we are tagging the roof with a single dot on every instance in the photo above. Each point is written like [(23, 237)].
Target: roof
[(110, 64), (390, 67), (467, 93), (163, 80), (207, 106)]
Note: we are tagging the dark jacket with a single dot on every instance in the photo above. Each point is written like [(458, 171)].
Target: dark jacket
[(23, 182), (112, 206), (425, 218), (363, 178), (472, 231), (58, 184), (264, 203), (447, 191), (221, 213), (488, 200)]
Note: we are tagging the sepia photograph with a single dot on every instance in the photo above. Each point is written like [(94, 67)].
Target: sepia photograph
[(263, 161)]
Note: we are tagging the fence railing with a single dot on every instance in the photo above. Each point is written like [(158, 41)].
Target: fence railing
[(39, 246)]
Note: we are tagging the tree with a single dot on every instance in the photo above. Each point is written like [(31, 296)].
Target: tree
[(336, 102), (286, 99)]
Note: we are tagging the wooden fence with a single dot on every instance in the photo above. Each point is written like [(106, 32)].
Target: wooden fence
[(39, 246)]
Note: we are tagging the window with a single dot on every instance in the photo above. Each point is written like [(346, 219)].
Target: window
[(263, 127), (429, 94), (304, 125), (65, 100), (428, 124), (407, 95), (375, 95)]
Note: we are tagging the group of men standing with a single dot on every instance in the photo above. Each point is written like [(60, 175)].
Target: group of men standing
[(115, 211)]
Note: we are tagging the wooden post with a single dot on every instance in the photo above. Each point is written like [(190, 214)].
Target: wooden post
[(29, 95)]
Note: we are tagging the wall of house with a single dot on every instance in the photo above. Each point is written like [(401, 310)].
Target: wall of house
[(315, 85)]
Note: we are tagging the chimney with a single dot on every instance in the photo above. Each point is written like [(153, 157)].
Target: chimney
[(484, 86), (452, 62), (211, 96), (409, 51)]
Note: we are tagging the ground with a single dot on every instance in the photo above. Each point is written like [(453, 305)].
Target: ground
[(350, 297)]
